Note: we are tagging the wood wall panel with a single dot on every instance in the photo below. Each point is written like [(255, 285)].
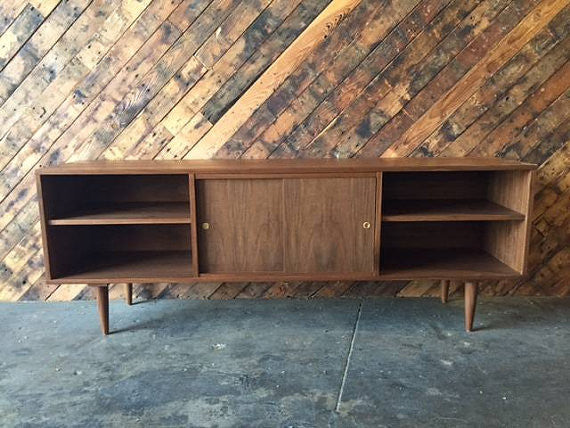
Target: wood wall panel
[(172, 79)]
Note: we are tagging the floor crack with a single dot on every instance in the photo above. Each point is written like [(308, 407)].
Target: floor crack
[(349, 355)]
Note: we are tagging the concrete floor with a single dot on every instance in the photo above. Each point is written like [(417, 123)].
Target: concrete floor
[(284, 363)]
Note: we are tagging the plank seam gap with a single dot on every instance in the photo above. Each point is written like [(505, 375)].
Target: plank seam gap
[(216, 289), (12, 23), (348, 357)]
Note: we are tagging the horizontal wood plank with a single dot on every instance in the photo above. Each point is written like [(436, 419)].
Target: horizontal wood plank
[(446, 210), (128, 213)]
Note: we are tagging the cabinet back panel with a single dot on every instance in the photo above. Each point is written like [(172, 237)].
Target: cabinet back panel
[(435, 185), (67, 193), (165, 237), (433, 235)]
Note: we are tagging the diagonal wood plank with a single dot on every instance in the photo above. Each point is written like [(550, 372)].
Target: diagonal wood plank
[(314, 34), (504, 50)]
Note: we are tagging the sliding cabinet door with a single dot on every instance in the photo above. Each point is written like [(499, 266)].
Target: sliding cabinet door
[(329, 224), (240, 225)]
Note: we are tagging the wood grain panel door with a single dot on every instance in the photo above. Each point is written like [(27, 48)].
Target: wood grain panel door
[(240, 225), (329, 224)]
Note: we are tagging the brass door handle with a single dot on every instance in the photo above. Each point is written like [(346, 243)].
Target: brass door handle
[(366, 225), (205, 226)]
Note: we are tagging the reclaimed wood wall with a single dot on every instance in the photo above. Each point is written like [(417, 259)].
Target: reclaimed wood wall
[(184, 79)]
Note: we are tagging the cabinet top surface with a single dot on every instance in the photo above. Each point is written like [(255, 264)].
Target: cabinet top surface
[(284, 166)]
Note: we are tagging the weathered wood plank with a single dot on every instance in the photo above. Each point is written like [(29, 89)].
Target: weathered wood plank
[(494, 89), (355, 122), (18, 33), (155, 110), (502, 52), (55, 25), (227, 291), (306, 100), (207, 55), (448, 63), (318, 30), (263, 26), (45, 7), (53, 62), (240, 59), (548, 130), (9, 11), (527, 111), (505, 105), (229, 31), (224, 98)]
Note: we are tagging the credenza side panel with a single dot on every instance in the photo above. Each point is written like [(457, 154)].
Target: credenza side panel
[(330, 224), (43, 223), (240, 225), (509, 241)]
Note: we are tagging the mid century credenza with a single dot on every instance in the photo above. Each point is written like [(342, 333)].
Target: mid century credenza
[(130, 222)]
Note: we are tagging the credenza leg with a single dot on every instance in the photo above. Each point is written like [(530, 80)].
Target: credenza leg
[(470, 304), (129, 293), (103, 306), (444, 290)]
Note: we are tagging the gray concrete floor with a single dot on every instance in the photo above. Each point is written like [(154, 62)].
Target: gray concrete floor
[(398, 362)]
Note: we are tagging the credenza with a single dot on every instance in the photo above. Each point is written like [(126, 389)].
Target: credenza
[(444, 219)]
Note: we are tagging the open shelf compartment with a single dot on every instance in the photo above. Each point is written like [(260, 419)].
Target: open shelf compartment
[(448, 250), (116, 199), (115, 253), (454, 196)]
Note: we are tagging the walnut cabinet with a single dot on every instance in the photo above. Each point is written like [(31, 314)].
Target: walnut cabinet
[(278, 220)]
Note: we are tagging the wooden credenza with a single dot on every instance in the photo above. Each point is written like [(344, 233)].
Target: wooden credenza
[(277, 220)]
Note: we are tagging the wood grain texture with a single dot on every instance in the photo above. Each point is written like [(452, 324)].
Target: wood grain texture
[(102, 292), (129, 213), (271, 79), (236, 220), (510, 189), (447, 210), (471, 292), (158, 79), (324, 229)]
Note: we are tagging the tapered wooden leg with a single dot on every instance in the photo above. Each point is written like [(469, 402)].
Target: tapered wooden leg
[(103, 306), (129, 293), (444, 291), (470, 304)]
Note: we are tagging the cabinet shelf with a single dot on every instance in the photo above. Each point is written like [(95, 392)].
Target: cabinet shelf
[(132, 266), (454, 263), (446, 210), (128, 213)]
